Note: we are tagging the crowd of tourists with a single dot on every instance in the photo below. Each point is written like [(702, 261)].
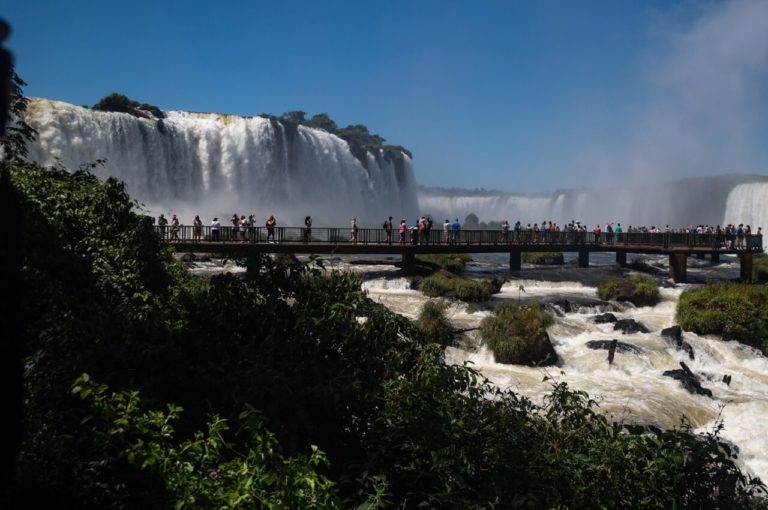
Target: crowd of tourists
[(421, 231)]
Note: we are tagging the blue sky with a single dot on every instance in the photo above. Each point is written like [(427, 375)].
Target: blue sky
[(519, 96)]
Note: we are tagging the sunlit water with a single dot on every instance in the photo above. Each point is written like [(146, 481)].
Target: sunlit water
[(632, 389)]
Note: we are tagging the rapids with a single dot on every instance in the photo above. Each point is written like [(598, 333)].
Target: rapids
[(633, 389)]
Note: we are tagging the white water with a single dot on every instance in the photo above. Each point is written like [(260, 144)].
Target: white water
[(678, 204), (633, 389), (748, 204), (216, 165)]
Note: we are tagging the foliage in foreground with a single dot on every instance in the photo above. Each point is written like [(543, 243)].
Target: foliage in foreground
[(637, 289), (546, 258), (518, 335), (451, 262), (317, 362), (736, 311)]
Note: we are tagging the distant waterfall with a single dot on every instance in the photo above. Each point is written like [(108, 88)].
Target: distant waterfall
[(703, 200), (217, 165), (748, 204)]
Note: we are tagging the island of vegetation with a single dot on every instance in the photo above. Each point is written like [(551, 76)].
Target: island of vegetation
[(736, 311), (286, 387), (637, 289), (518, 335), (545, 258)]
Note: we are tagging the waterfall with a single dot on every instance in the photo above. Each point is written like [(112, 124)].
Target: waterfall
[(703, 200), (216, 165), (748, 204)]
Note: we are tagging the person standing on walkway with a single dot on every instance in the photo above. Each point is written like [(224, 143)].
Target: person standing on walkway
[(456, 227), (162, 223), (270, 224), (353, 231), (174, 228), (197, 228), (215, 227), (307, 229), (401, 230), (388, 230)]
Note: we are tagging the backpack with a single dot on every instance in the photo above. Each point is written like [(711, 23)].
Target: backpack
[(385, 225)]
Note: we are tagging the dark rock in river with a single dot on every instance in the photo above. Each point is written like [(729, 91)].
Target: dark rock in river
[(629, 326), (575, 304), (689, 380), (674, 333), (604, 318), (620, 346)]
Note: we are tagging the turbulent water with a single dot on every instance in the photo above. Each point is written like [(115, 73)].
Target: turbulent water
[(215, 165), (748, 204), (633, 389)]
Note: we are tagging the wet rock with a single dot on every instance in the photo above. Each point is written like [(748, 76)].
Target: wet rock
[(627, 326), (622, 347), (689, 380), (188, 257), (674, 333), (604, 318), (576, 304)]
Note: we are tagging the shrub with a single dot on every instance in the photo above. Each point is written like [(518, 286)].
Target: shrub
[(546, 258), (466, 289), (123, 104), (735, 311), (434, 323), (637, 289), (518, 335)]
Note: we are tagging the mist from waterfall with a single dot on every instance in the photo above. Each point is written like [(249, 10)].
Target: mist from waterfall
[(217, 165)]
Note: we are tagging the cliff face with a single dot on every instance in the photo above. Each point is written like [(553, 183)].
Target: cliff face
[(214, 165)]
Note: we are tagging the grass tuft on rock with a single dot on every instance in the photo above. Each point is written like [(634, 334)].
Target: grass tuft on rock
[(443, 284), (518, 335), (433, 322), (637, 289), (544, 258), (736, 311)]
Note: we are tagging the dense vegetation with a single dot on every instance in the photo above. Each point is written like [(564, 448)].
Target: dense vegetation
[(434, 323), (637, 289), (444, 284), (120, 103), (286, 388), (735, 311), (545, 258), (518, 335), (361, 141)]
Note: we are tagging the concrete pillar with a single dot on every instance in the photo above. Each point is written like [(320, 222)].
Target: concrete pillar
[(621, 258), (515, 260), (746, 267), (408, 267), (700, 256), (716, 258), (678, 267), (583, 258)]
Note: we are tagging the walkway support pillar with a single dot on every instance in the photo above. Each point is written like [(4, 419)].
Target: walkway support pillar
[(700, 256), (746, 267), (515, 260), (583, 258), (621, 258), (408, 267), (716, 258), (678, 267)]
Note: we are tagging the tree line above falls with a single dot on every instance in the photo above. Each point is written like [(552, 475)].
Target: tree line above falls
[(360, 140)]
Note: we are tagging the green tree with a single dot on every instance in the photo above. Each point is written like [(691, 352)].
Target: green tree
[(18, 133)]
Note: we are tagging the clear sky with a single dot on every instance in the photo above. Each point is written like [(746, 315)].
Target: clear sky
[(519, 96)]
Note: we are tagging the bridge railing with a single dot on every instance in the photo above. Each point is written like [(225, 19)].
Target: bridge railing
[(325, 235)]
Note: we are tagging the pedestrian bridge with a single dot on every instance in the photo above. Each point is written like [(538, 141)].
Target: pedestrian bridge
[(299, 240)]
